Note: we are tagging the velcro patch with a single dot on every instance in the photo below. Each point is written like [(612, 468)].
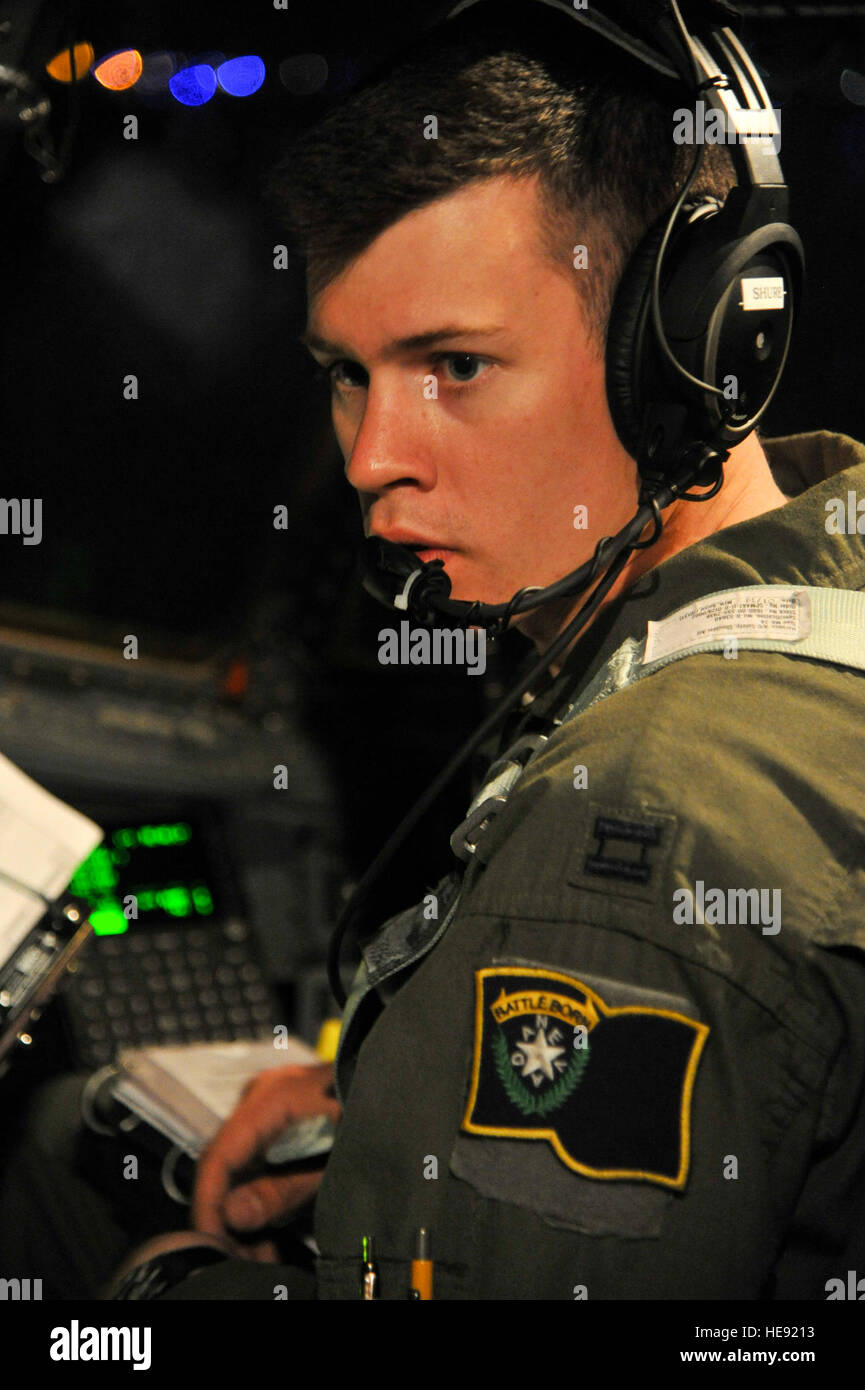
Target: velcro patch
[(643, 834), (608, 1088)]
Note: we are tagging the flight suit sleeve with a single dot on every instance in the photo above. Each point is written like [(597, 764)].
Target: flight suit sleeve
[(665, 1147), (632, 1067), (667, 1039)]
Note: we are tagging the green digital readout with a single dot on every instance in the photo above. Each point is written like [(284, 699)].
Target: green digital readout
[(178, 834), (142, 873)]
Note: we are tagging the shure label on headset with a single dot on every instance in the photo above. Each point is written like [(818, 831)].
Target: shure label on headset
[(764, 292)]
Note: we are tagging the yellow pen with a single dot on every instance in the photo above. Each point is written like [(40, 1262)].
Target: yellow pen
[(422, 1266)]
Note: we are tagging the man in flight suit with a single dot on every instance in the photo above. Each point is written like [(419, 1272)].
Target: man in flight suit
[(620, 1052), (632, 1065)]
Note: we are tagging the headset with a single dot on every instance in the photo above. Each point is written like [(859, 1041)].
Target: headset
[(697, 341)]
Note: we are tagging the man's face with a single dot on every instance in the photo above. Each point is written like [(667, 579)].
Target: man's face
[(458, 298)]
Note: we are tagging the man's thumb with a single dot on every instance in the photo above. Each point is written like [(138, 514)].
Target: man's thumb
[(245, 1210)]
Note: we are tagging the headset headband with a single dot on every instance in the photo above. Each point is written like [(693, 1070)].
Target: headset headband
[(715, 63)]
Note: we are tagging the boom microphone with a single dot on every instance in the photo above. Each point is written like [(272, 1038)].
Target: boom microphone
[(420, 589)]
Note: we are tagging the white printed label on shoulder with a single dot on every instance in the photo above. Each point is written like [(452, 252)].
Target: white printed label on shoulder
[(776, 614), (763, 292)]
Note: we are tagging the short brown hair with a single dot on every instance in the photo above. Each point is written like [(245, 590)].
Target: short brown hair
[(597, 130)]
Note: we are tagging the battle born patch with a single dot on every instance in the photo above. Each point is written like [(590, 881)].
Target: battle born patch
[(608, 1088)]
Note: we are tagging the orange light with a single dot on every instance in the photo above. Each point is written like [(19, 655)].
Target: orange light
[(60, 67), (120, 70), (236, 680)]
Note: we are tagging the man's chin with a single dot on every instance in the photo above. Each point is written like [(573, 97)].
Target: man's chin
[(466, 589)]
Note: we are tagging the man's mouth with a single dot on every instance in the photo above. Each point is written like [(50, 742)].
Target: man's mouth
[(425, 548), (433, 553)]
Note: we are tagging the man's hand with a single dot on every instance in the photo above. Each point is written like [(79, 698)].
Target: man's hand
[(270, 1103)]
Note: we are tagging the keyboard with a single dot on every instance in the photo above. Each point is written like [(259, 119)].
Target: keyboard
[(165, 986)]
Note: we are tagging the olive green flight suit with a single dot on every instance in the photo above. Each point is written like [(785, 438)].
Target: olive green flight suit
[(579, 1087), (576, 1089)]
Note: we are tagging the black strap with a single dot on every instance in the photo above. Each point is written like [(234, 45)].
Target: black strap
[(155, 1277)]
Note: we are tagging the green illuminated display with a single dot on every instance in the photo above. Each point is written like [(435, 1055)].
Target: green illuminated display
[(178, 834), (108, 920), (98, 880)]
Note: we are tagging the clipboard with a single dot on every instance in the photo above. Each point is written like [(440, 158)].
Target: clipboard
[(43, 928)]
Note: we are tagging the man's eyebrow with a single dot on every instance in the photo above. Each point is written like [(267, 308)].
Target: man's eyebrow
[(412, 343)]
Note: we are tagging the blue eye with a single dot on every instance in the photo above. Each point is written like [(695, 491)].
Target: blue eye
[(463, 366)]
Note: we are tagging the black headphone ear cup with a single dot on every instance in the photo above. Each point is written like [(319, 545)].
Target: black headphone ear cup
[(625, 338)]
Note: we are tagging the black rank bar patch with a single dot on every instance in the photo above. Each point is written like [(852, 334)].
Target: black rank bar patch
[(608, 1088), (642, 834)]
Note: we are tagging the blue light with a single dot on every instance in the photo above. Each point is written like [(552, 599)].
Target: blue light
[(193, 86), (240, 77)]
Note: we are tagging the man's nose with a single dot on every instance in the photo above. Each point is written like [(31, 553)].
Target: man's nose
[(394, 442)]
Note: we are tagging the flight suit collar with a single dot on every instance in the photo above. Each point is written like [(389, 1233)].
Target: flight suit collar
[(789, 545)]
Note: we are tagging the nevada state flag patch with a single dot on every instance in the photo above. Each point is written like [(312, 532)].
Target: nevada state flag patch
[(608, 1088)]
